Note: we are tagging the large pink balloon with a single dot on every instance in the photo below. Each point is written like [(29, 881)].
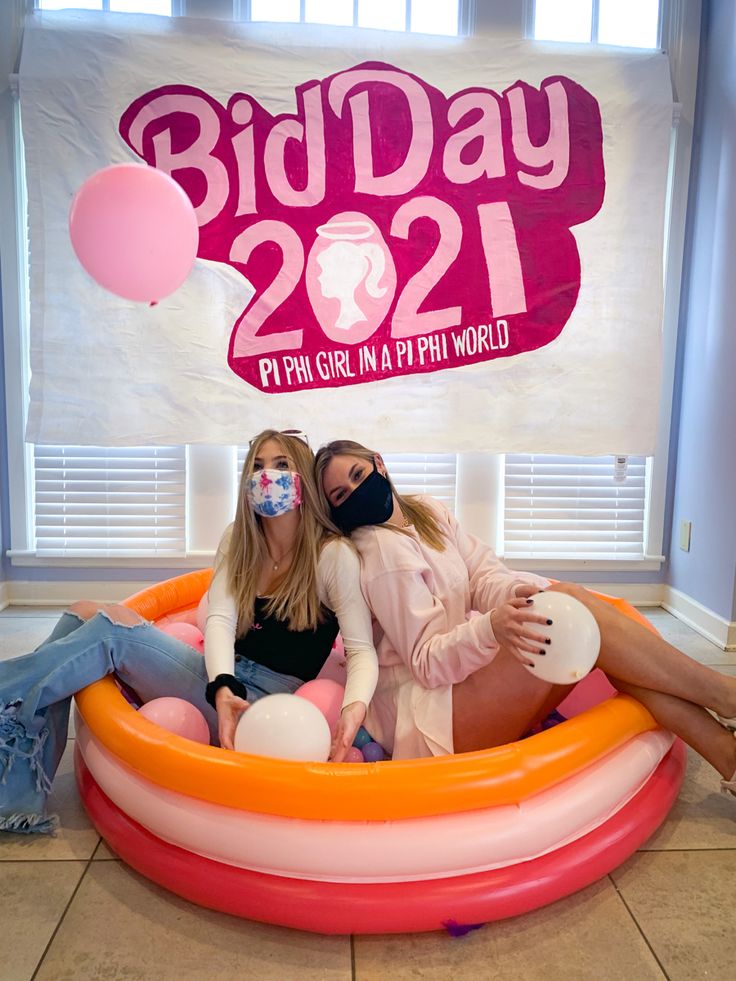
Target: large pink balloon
[(334, 667), (134, 230), (327, 695), (178, 716), (187, 633)]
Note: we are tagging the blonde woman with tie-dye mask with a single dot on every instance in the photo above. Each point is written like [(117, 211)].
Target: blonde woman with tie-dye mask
[(283, 586)]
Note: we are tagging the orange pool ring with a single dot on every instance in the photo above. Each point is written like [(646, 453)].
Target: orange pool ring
[(359, 792)]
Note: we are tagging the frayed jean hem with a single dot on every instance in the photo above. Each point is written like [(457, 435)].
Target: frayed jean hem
[(30, 824), (18, 748)]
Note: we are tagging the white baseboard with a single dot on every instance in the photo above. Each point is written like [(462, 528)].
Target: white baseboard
[(636, 593), (708, 623), (45, 593), (711, 625)]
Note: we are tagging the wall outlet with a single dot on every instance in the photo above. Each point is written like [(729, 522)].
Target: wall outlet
[(685, 530)]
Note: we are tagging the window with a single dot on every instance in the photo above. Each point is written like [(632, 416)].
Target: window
[(422, 16), (99, 501), (96, 522), (574, 507), (564, 507), (162, 7), (628, 23)]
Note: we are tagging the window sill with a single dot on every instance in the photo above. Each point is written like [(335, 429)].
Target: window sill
[(648, 563), (190, 561), (204, 559)]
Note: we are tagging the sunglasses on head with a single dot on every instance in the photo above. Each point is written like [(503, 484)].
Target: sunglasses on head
[(294, 433)]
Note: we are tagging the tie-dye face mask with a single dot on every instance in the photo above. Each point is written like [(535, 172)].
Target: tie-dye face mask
[(274, 492)]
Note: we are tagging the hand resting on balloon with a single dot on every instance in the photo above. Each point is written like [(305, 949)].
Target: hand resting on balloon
[(512, 628), (351, 719), (229, 709)]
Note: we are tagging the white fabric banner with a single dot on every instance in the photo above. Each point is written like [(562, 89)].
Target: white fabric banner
[(425, 244)]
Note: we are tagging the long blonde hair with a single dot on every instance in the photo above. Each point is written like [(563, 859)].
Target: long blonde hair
[(294, 597), (421, 516)]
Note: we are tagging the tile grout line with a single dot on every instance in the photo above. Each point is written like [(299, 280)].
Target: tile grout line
[(638, 927), (684, 851), (39, 861), (65, 911)]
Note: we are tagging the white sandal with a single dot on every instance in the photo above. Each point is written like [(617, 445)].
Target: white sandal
[(728, 787)]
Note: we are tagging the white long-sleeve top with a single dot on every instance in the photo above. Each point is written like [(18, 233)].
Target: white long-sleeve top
[(421, 601), (339, 589)]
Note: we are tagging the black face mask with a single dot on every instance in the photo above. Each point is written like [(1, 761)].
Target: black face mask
[(371, 503)]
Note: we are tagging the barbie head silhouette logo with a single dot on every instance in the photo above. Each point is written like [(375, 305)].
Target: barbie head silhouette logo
[(350, 277)]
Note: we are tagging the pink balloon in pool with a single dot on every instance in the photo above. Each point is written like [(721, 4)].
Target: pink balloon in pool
[(334, 666), (593, 689), (178, 716), (135, 231), (187, 633), (327, 695)]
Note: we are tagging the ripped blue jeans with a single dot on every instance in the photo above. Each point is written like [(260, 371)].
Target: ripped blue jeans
[(36, 691)]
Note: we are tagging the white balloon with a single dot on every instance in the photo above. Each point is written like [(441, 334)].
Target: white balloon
[(575, 639), (286, 727)]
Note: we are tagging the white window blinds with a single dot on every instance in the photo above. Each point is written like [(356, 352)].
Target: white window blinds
[(573, 507), (101, 501), (424, 473)]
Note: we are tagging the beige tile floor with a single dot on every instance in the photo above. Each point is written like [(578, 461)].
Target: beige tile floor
[(72, 911)]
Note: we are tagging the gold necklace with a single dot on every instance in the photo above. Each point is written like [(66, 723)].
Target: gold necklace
[(284, 556)]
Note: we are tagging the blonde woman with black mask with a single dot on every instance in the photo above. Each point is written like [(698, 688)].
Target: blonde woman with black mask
[(451, 683)]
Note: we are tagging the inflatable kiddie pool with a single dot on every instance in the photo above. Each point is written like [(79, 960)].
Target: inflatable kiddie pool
[(388, 847)]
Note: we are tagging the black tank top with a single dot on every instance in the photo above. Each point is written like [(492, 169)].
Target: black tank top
[(300, 653)]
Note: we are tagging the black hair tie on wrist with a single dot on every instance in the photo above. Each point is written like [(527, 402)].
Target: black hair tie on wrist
[(228, 681)]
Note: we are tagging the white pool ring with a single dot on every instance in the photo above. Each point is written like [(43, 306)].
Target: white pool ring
[(382, 851)]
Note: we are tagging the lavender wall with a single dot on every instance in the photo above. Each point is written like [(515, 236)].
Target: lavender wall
[(4, 515), (706, 442)]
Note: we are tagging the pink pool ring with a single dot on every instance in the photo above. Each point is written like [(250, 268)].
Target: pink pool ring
[(479, 836)]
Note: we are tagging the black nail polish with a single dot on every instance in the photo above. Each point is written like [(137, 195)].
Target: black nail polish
[(530, 601), (542, 652), (549, 623), (548, 640)]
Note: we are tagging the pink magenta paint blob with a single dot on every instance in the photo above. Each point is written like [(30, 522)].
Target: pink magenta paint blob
[(387, 228)]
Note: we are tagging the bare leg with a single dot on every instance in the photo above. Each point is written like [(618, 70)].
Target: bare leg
[(638, 656), (499, 703), (86, 609), (691, 723)]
